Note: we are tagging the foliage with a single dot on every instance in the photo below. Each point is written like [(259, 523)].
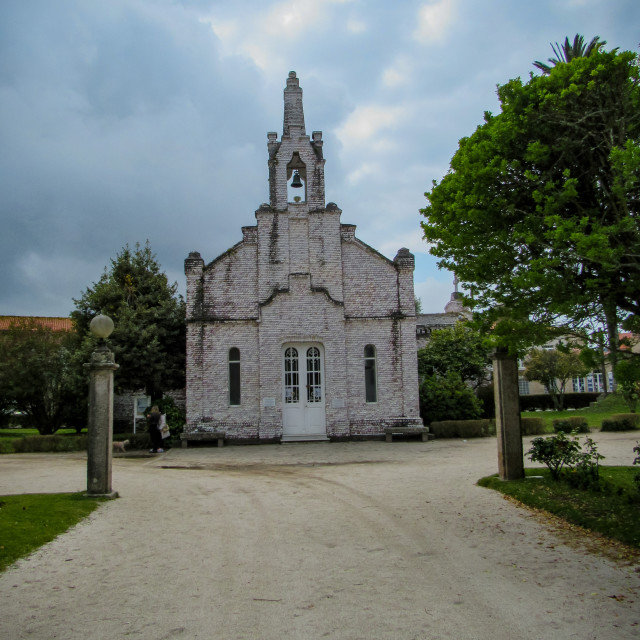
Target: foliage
[(137, 441), (570, 424), (621, 422), (447, 398), (556, 452), (29, 521), (486, 395), (49, 444), (538, 215), (459, 349), (612, 512), (553, 368), (627, 375), (149, 316), (532, 426), (6, 405), (594, 414), (585, 473), (568, 51), (543, 401), (35, 374), (176, 417), (462, 428)]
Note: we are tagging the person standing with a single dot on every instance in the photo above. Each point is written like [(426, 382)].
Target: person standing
[(153, 421)]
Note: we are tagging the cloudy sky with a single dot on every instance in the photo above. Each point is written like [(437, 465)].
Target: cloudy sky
[(128, 120)]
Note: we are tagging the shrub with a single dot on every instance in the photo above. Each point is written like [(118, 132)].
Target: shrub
[(618, 424), (485, 395), (462, 428), (569, 425), (175, 418), (621, 422), (634, 418), (543, 401), (138, 440), (55, 443), (532, 426), (555, 452), (585, 473), (447, 398), (580, 465)]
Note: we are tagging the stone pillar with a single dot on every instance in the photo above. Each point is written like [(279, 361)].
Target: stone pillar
[(100, 431), (505, 384)]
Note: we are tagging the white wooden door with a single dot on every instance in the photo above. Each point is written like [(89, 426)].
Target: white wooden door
[(303, 392)]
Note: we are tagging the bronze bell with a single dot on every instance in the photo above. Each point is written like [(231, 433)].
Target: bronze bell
[(296, 183)]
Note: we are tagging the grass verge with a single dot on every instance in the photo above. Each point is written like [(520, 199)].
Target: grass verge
[(614, 511), (28, 521)]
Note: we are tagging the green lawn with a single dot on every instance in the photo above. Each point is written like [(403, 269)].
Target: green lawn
[(31, 520), (613, 512), (605, 408)]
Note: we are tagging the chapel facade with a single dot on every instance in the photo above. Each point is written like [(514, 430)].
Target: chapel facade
[(300, 331)]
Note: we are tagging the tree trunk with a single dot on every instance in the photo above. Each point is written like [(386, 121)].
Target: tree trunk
[(611, 317)]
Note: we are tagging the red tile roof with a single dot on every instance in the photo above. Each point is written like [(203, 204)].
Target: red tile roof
[(56, 324)]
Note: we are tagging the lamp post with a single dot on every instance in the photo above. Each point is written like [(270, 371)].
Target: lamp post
[(100, 431)]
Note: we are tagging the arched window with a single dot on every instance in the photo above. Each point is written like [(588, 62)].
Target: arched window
[(370, 382), (234, 376)]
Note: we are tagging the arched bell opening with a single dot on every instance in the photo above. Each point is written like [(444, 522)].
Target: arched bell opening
[(296, 180)]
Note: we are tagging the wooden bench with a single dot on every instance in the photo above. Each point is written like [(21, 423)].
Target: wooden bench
[(203, 436), (423, 432)]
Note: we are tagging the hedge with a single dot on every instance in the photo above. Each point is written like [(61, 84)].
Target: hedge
[(621, 422), (544, 401), (45, 444), (462, 428), (532, 426), (569, 425)]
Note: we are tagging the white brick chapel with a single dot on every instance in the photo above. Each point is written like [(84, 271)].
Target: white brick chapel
[(300, 331)]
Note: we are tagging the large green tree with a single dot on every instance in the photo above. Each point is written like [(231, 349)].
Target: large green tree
[(554, 368), (539, 212), (149, 316), (36, 374), (570, 50), (460, 349)]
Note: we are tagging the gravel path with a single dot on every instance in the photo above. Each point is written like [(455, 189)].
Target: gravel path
[(345, 540)]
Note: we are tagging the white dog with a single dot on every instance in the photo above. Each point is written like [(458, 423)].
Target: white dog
[(120, 446)]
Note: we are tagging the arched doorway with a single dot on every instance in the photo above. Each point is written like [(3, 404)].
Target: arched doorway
[(303, 386)]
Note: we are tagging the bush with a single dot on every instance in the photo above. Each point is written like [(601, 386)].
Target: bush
[(485, 394), (621, 422), (462, 428), (532, 426), (585, 473), (447, 398), (42, 444), (634, 418), (569, 425), (138, 440), (175, 418), (543, 401), (580, 465)]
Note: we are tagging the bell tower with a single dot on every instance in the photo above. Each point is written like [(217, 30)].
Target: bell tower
[(296, 163)]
